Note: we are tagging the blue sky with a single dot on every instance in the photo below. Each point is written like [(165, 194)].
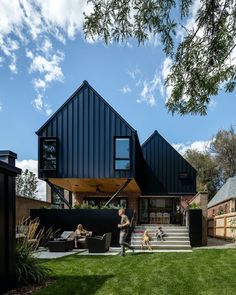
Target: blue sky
[(44, 59)]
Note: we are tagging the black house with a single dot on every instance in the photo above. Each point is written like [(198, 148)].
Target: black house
[(89, 150)]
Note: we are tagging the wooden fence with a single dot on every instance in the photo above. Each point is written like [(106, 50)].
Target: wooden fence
[(222, 226)]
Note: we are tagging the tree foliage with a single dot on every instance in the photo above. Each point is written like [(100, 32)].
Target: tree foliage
[(26, 184), (223, 148), (202, 60), (207, 170), (215, 165)]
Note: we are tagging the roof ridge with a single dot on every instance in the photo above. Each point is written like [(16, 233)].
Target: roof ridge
[(85, 82)]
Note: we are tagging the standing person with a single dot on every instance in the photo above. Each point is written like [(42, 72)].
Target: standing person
[(124, 226)]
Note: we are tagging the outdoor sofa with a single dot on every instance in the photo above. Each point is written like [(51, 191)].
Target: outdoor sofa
[(63, 243)]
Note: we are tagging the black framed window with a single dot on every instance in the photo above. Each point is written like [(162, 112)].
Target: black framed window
[(101, 201), (122, 153), (183, 175), (48, 153), (56, 200)]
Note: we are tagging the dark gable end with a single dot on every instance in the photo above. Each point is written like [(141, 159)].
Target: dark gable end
[(166, 171), (85, 126)]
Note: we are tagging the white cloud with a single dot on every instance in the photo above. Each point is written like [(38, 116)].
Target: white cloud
[(50, 71), (149, 90), (0, 107), (36, 24), (48, 67), (12, 65), (1, 61), (125, 89), (212, 104), (165, 71), (166, 67), (200, 146), (38, 102), (135, 73), (190, 23), (32, 165), (39, 84), (46, 46)]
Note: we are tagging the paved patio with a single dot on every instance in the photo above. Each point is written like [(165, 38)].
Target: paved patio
[(45, 254), (213, 243)]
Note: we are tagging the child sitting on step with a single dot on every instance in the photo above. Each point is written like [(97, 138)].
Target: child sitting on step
[(160, 234), (146, 240)]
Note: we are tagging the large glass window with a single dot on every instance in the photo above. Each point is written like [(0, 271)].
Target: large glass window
[(56, 200), (122, 153), (48, 154), (101, 201)]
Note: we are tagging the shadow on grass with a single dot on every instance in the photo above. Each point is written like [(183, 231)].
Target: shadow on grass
[(73, 285)]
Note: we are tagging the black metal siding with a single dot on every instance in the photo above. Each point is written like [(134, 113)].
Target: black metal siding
[(7, 226), (162, 166), (85, 127)]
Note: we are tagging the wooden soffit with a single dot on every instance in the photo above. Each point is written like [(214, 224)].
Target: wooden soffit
[(95, 185)]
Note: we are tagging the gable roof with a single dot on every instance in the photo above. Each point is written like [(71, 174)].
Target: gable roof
[(157, 134), (85, 83), (227, 192)]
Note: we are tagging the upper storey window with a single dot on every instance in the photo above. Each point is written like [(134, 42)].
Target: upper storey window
[(122, 153), (48, 156)]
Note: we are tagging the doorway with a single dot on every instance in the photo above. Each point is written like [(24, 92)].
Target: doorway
[(150, 205)]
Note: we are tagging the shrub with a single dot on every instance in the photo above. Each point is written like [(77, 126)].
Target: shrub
[(29, 269), (194, 206)]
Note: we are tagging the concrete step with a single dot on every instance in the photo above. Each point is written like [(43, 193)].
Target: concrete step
[(157, 243), (165, 247), (153, 234), (159, 224), (177, 238), (169, 229), (173, 238), (164, 228)]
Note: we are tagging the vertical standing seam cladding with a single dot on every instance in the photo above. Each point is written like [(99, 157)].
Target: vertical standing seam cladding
[(163, 165), (85, 127)]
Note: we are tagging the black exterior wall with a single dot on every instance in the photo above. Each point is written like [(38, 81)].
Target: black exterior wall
[(195, 227), (85, 127), (162, 167), (7, 226), (99, 221)]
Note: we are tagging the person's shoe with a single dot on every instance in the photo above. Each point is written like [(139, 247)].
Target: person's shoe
[(121, 254), (132, 248)]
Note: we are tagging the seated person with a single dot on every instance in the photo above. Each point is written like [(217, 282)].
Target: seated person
[(160, 234), (80, 233), (146, 240)]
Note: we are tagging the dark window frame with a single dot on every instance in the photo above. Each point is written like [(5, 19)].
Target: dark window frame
[(118, 158), (41, 140), (99, 199), (183, 175), (61, 205)]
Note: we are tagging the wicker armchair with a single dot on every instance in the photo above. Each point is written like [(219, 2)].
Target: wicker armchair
[(99, 244)]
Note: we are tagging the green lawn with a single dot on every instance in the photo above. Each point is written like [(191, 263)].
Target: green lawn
[(201, 272)]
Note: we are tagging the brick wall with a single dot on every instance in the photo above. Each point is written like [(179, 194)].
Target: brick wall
[(222, 208), (23, 206)]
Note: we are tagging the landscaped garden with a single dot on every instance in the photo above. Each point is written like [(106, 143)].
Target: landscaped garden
[(200, 272)]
